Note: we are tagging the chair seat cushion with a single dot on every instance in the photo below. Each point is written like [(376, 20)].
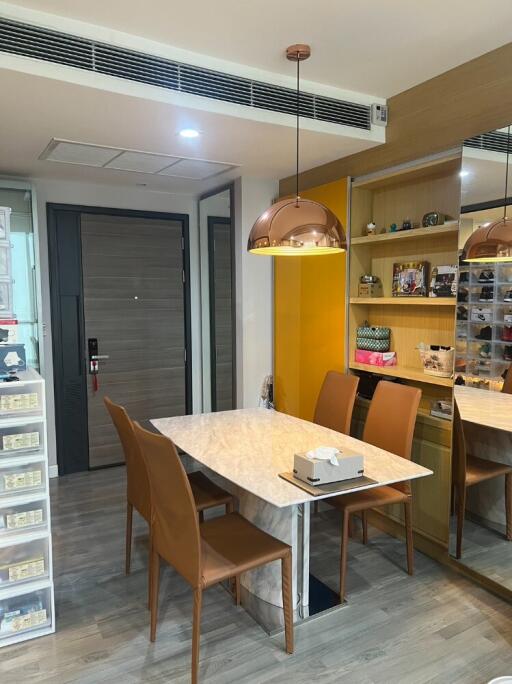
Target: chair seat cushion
[(206, 493), (480, 469), (230, 545), (368, 498)]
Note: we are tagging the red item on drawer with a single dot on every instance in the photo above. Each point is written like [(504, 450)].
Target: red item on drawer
[(376, 358)]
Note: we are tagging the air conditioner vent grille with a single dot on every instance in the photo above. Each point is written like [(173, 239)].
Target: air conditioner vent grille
[(53, 46), (495, 141)]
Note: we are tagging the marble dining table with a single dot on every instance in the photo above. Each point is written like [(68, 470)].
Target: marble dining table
[(245, 450)]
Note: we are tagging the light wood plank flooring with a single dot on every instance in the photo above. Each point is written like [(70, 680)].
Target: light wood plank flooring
[(435, 627)]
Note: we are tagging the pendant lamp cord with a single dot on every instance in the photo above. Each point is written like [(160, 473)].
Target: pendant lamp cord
[(506, 176), (298, 111)]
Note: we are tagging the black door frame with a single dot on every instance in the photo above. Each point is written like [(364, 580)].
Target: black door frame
[(211, 193), (226, 221), (76, 211)]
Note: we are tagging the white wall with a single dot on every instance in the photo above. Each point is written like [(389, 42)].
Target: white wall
[(254, 295), (86, 194)]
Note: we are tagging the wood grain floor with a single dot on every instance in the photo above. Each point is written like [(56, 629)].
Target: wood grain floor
[(435, 627)]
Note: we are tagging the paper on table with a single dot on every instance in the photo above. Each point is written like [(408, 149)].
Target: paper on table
[(325, 454)]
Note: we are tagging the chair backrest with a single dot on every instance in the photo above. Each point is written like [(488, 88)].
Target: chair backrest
[(336, 401), (136, 473), (459, 456), (507, 385), (391, 419), (174, 521)]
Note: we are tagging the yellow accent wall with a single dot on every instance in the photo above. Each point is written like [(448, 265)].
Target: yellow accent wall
[(309, 316)]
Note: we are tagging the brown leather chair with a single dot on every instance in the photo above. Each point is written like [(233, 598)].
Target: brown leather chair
[(336, 401), (205, 553), (469, 470), (390, 426), (507, 385), (206, 493)]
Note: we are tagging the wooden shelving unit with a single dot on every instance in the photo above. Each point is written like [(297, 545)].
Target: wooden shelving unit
[(404, 301), (409, 192), (405, 373), (449, 227)]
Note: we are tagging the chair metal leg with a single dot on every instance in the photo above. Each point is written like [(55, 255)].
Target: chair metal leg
[(508, 505), (343, 556), (409, 539), (461, 509), (286, 576), (364, 520), (196, 633), (129, 525), (150, 571), (155, 587)]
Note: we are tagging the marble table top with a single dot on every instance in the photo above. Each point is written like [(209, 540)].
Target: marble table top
[(250, 447), (483, 407)]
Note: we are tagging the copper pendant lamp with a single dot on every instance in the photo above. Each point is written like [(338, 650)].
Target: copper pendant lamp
[(295, 226), (492, 242)]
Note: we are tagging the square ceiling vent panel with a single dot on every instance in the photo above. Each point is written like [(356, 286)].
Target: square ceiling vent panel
[(142, 162), (195, 169), (78, 153)]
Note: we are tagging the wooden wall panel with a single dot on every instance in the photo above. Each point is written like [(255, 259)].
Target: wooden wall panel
[(436, 115)]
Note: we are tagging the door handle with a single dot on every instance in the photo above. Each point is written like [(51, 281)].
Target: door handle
[(100, 357)]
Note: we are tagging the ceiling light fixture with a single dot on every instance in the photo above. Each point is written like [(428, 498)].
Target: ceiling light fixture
[(295, 226), (492, 242), (189, 133)]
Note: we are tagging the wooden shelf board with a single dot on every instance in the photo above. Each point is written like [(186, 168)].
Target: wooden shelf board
[(448, 228), (405, 301), (403, 372)]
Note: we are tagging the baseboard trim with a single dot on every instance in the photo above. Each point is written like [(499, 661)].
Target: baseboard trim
[(53, 471)]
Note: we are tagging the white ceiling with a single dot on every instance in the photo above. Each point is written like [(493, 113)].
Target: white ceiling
[(39, 109), (380, 48)]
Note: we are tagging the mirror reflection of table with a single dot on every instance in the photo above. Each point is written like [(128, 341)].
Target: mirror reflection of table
[(244, 451), (483, 407), (487, 420)]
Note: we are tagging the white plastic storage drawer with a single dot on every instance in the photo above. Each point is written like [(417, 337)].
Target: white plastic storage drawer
[(22, 517), (5, 260), (21, 400), (23, 562), (22, 479), (21, 439), (25, 613)]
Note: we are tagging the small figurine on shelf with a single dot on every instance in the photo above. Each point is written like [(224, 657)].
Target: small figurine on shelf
[(371, 228), (406, 224), (393, 228)]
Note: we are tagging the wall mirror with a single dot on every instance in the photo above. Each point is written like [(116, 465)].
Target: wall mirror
[(482, 457), (216, 222)]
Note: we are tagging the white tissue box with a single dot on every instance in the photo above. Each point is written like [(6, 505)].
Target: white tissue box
[(318, 472)]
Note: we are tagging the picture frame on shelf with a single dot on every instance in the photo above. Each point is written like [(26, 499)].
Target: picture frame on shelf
[(443, 281), (410, 279)]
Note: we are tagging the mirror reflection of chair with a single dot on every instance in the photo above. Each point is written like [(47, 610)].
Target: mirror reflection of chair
[(389, 426), (206, 493), (469, 470), (205, 553), (507, 385)]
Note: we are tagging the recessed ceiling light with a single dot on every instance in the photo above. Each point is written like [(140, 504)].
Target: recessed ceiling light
[(189, 133), (463, 174)]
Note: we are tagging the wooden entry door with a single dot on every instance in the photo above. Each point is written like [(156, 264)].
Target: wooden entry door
[(133, 302)]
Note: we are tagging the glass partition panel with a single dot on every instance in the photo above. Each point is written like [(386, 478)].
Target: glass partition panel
[(481, 524)]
